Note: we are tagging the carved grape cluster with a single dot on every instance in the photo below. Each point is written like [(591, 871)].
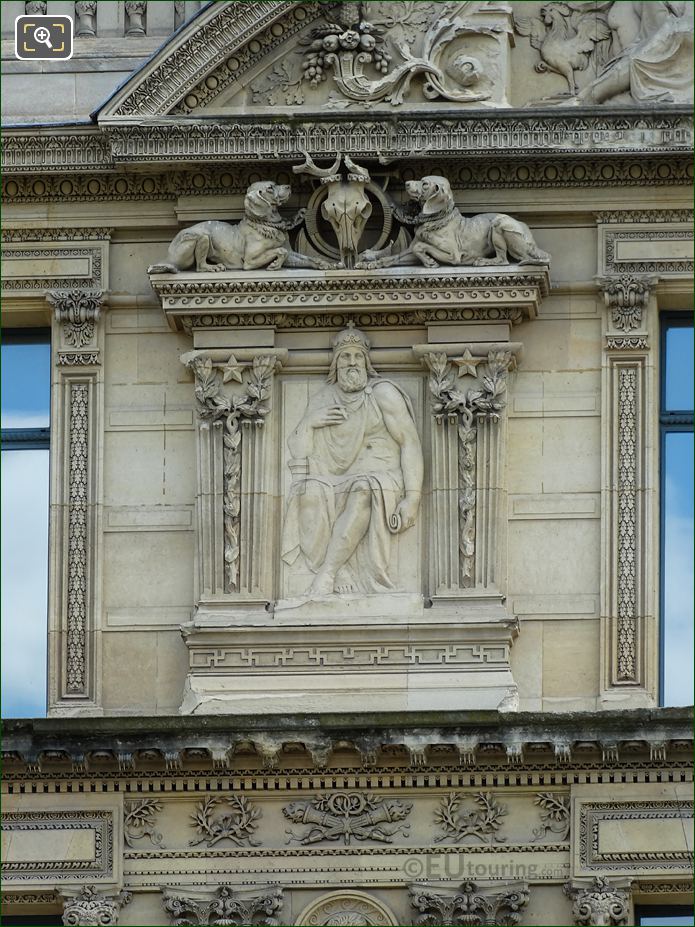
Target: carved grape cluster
[(333, 38)]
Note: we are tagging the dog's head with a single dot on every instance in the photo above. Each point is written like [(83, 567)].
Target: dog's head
[(433, 192), (263, 198)]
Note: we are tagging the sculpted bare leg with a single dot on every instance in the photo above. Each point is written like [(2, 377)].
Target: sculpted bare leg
[(349, 529)]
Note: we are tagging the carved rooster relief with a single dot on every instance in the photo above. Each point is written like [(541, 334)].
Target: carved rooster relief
[(566, 38)]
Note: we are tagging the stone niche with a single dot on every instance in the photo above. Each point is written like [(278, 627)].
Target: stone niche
[(288, 475)]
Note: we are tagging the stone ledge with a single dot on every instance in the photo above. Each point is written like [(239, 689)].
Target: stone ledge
[(650, 738), (289, 299)]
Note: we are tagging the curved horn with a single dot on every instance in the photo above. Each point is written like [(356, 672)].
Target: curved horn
[(361, 172), (310, 168)]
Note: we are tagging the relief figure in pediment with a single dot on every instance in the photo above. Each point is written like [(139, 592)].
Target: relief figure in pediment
[(654, 60), (357, 472)]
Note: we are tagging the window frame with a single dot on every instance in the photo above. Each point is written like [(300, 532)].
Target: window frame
[(18, 439), (670, 422), (662, 910)]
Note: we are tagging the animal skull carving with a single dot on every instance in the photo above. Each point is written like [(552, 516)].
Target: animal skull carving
[(346, 206)]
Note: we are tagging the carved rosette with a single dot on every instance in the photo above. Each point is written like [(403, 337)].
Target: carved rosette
[(226, 907), (498, 903), (346, 909), (231, 412), (468, 411), (601, 903), (91, 907)]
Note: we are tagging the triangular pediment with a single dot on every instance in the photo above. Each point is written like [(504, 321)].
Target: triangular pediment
[(238, 59), (210, 54)]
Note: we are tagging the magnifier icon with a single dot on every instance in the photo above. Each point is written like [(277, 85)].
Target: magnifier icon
[(41, 34)]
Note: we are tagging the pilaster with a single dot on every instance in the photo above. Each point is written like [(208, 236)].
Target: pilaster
[(602, 901), (629, 579), (74, 597)]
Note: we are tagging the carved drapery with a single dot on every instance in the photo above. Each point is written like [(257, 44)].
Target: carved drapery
[(627, 584), (498, 903), (601, 902), (466, 452), (75, 525), (91, 907), (232, 467)]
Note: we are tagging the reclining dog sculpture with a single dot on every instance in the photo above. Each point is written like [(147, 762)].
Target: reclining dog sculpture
[(258, 242), (443, 236)]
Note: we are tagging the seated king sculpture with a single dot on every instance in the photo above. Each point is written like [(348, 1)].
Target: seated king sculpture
[(357, 467)]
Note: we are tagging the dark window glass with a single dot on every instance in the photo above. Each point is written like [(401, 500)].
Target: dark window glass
[(677, 513)]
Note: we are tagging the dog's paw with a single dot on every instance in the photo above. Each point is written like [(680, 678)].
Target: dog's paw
[(368, 265)]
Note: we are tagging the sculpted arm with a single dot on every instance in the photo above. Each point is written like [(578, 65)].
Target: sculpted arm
[(319, 413), (402, 429)]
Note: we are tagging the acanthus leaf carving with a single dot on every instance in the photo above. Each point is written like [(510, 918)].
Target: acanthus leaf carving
[(215, 408), (91, 907), (599, 903), (227, 906), (627, 296), (457, 822), (467, 409), (497, 903), (347, 816), (77, 311)]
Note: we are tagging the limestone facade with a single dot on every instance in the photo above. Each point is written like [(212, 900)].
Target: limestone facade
[(354, 572)]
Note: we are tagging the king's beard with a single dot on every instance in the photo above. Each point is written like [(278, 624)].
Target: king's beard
[(352, 379)]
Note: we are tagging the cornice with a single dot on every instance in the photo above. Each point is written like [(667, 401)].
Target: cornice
[(465, 174), (330, 744), (374, 298), (590, 132)]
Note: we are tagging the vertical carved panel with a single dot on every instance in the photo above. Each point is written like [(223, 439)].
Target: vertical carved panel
[(629, 576), (234, 511), (75, 524), (467, 434), (78, 488)]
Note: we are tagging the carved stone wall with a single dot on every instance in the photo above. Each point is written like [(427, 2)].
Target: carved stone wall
[(240, 735)]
